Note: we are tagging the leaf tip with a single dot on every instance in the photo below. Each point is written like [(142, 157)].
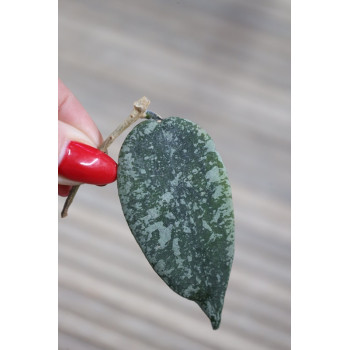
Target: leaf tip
[(212, 308)]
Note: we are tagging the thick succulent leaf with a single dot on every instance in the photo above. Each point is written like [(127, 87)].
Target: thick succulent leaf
[(177, 200)]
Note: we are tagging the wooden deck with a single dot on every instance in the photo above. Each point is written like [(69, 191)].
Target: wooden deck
[(225, 65)]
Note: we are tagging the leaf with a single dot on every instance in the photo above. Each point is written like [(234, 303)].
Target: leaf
[(177, 200)]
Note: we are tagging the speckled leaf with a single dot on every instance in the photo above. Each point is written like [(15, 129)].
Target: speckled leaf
[(177, 200)]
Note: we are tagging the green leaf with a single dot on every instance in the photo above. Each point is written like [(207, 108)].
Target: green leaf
[(177, 200)]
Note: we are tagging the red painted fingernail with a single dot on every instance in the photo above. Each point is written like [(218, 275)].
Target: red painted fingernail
[(86, 164), (63, 190)]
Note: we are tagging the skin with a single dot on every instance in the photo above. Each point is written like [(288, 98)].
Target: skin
[(74, 124)]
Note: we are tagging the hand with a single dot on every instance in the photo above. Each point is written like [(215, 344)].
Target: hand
[(79, 160)]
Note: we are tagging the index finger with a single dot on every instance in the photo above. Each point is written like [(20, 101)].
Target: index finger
[(71, 112)]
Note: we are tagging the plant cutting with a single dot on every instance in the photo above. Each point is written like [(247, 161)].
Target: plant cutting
[(177, 200)]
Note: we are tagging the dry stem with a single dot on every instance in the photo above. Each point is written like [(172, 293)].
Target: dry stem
[(139, 111)]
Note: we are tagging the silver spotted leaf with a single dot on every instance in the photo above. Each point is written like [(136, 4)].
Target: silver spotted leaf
[(177, 200)]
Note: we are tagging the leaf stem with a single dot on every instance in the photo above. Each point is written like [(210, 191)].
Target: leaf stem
[(139, 111)]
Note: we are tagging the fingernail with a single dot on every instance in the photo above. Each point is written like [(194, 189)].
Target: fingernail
[(63, 190), (86, 164)]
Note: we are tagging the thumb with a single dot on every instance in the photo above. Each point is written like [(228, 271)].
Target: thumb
[(79, 160)]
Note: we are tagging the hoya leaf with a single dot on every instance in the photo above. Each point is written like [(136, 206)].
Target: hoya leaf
[(177, 200)]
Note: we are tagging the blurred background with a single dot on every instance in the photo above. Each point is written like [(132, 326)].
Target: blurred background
[(225, 65)]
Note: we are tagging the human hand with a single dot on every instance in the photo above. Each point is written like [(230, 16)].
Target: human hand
[(79, 160)]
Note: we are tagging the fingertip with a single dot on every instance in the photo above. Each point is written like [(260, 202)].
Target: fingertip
[(85, 164), (63, 190)]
